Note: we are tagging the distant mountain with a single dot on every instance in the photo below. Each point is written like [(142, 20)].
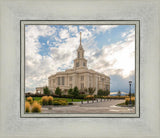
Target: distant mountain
[(115, 93)]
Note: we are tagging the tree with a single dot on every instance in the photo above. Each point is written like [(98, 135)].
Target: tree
[(119, 93), (75, 92), (46, 90), (70, 91), (107, 92), (100, 92), (91, 90), (103, 92), (58, 91)]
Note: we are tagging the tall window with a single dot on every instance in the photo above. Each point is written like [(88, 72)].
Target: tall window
[(59, 81), (82, 85), (82, 78), (70, 78), (62, 80), (78, 54), (53, 80)]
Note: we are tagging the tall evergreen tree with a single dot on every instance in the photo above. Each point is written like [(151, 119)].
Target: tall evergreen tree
[(46, 90), (75, 92), (58, 91)]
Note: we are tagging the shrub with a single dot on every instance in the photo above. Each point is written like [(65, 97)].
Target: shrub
[(27, 107), (63, 102), (36, 107), (89, 97), (44, 100), (60, 102), (56, 103), (50, 100), (133, 102), (30, 99), (127, 100), (81, 96)]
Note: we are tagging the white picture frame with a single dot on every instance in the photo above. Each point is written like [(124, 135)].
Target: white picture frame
[(12, 125)]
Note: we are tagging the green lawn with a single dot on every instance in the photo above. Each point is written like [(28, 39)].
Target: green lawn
[(68, 99)]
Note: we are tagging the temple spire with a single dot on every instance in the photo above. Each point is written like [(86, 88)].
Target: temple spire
[(80, 45)]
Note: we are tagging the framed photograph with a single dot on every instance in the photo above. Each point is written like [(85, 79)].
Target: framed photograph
[(74, 69), (80, 68)]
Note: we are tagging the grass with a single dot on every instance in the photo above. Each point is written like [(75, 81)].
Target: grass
[(67, 99), (123, 105)]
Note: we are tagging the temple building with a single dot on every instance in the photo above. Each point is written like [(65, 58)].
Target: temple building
[(79, 76)]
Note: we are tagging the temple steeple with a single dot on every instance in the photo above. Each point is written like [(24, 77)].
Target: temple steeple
[(80, 61), (80, 45), (80, 51)]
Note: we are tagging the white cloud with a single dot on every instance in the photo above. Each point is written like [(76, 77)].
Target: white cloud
[(64, 34), (73, 29), (104, 28), (116, 59), (35, 64), (124, 34)]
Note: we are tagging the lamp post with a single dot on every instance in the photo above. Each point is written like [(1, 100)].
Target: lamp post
[(130, 82)]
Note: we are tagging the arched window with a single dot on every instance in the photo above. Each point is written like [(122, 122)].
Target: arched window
[(78, 54)]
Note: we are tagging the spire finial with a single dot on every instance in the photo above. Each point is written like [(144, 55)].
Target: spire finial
[(80, 38)]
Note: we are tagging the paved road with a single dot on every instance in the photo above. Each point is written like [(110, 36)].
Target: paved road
[(100, 107)]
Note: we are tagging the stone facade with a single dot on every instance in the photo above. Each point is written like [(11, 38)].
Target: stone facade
[(79, 76)]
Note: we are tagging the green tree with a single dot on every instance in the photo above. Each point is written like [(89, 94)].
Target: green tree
[(75, 92), (58, 91), (100, 92), (46, 90), (70, 91), (91, 90), (108, 92), (119, 93)]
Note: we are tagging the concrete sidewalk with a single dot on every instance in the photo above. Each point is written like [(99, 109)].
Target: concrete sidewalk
[(86, 108)]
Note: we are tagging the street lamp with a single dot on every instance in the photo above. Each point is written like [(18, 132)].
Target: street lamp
[(130, 82)]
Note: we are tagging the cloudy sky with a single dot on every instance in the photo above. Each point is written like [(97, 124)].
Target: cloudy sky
[(109, 49)]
